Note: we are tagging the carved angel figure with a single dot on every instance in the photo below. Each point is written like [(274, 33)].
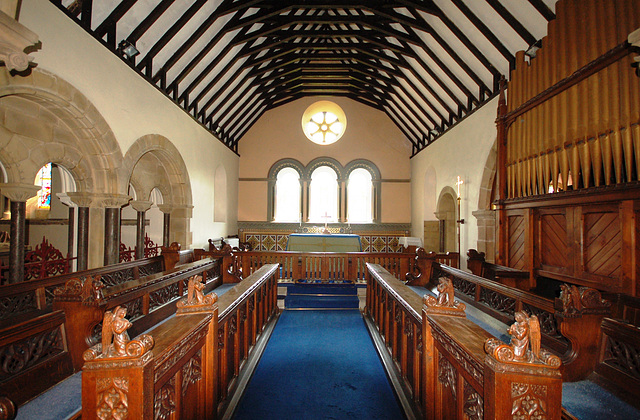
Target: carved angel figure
[(114, 327), (194, 290), (519, 331), (446, 292)]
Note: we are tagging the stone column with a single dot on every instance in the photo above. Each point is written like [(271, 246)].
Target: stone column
[(71, 233), (342, 200), (112, 205), (18, 194), (166, 227), (83, 201), (181, 225), (486, 233), (305, 199), (141, 208)]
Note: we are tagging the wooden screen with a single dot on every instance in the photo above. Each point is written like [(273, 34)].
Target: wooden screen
[(574, 111)]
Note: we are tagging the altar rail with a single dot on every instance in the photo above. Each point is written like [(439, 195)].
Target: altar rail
[(570, 329), (148, 300), (337, 266), (444, 365), (195, 359)]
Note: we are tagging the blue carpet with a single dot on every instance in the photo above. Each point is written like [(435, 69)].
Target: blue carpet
[(223, 288), (57, 403), (322, 289), (319, 365), (588, 401)]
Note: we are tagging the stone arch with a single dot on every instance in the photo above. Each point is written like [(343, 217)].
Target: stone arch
[(485, 215), (153, 162), (325, 161), (430, 223), (49, 120), (446, 214)]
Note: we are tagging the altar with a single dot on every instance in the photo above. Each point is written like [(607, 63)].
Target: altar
[(314, 242)]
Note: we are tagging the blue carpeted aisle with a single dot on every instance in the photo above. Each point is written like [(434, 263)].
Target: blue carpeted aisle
[(319, 364)]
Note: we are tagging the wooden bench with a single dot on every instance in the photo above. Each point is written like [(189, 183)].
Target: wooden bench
[(452, 368), (34, 354), (508, 276), (185, 367), (148, 300), (570, 326), (28, 326)]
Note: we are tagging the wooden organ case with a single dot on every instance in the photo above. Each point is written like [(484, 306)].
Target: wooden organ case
[(569, 151)]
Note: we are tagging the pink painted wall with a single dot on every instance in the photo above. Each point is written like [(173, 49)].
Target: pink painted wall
[(370, 135)]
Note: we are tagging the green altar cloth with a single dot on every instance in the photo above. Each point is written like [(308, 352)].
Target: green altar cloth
[(305, 242)]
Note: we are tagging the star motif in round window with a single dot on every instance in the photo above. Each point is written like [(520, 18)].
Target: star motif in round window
[(324, 122)]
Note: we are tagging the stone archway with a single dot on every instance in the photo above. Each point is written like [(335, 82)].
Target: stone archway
[(46, 119), (446, 214), (485, 215), (154, 162)]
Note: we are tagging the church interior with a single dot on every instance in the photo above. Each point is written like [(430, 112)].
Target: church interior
[(260, 209)]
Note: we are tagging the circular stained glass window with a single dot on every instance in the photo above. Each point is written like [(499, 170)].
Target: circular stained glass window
[(324, 122)]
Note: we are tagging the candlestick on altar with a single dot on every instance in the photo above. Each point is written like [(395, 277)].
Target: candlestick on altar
[(326, 218)]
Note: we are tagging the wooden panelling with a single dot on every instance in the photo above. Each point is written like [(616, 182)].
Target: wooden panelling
[(553, 240), (517, 242), (602, 246)]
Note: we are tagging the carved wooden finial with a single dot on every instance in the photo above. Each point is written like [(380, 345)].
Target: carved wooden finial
[(525, 343), (115, 339), (87, 290), (445, 303), (578, 300), (195, 297)]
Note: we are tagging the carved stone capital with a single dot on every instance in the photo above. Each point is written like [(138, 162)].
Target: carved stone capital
[(65, 199), (113, 200), (19, 192), (141, 206), (165, 208), (14, 39), (81, 199)]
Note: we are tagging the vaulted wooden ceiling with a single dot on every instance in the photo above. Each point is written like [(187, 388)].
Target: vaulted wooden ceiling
[(426, 64)]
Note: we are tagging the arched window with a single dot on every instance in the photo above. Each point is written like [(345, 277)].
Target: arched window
[(287, 197), (323, 195), (360, 197)]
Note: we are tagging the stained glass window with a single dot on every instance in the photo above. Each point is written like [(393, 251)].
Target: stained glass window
[(44, 180)]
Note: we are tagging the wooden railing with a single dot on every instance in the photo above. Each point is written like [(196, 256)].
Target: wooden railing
[(150, 250), (570, 326), (335, 266), (195, 359), (148, 300), (452, 367), (24, 297), (42, 262)]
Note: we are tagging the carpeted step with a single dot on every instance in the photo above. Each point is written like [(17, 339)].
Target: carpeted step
[(321, 302), (311, 289)]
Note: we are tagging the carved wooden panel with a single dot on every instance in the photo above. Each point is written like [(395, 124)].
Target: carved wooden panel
[(516, 242), (602, 246), (553, 239)]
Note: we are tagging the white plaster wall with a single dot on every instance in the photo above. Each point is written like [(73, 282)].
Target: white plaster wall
[(133, 108), (460, 152)]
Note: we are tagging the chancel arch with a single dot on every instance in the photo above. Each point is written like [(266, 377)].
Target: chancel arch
[(486, 215)]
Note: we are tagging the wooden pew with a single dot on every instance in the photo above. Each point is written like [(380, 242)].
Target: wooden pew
[(34, 354), (148, 300), (616, 363), (570, 326), (506, 275), (185, 367), (453, 368)]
